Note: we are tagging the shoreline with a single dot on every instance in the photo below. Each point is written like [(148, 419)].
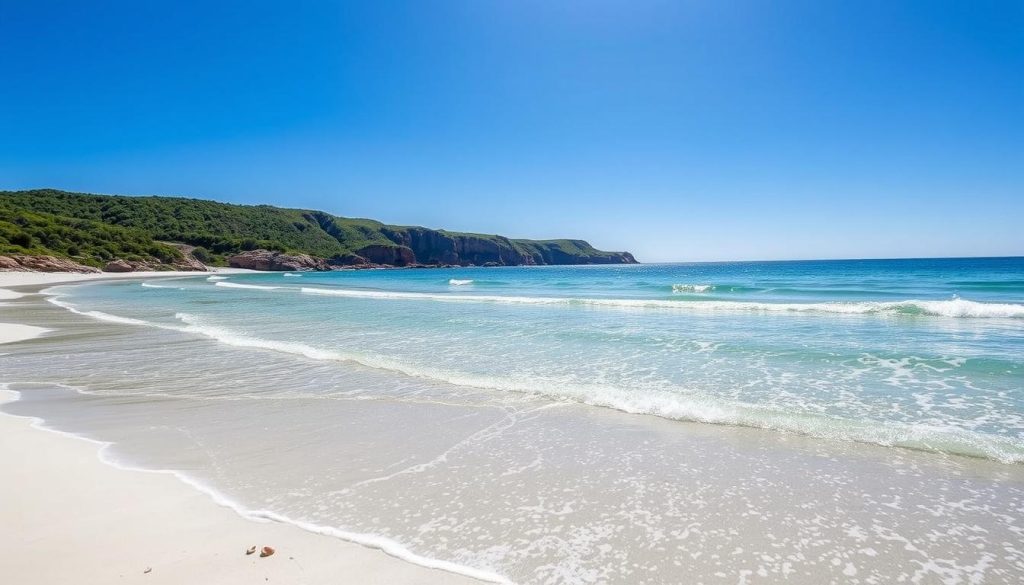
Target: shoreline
[(9, 279), (83, 518), (545, 462)]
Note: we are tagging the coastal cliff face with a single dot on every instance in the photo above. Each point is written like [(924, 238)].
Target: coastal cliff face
[(386, 255), (408, 246), (439, 247), (436, 247), (121, 233)]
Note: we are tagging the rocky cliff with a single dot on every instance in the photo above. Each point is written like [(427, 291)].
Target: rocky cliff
[(117, 233), (432, 247)]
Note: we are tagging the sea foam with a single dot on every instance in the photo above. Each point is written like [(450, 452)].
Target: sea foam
[(957, 308), (661, 403), (692, 288), (152, 285), (249, 286), (382, 543), (97, 314)]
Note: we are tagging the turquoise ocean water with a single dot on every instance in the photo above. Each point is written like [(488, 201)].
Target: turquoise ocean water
[(926, 354), (797, 422)]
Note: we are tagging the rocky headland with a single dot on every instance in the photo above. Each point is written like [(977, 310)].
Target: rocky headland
[(50, 230)]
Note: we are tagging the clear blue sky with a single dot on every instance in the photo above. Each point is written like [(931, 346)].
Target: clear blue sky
[(687, 130)]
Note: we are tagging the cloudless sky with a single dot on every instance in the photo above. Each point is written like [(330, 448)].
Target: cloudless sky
[(687, 130)]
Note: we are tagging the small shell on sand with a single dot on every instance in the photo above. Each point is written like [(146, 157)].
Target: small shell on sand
[(148, 569), (267, 551), (250, 550)]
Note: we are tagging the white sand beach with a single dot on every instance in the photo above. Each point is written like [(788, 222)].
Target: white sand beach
[(70, 518), (9, 279), (277, 436), (11, 332)]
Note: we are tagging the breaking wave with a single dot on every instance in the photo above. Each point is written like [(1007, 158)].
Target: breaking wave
[(97, 314), (956, 308), (692, 288), (660, 403), (460, 282), (153, 285), (249, 286)]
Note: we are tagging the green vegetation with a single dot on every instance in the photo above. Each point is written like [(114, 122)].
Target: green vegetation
[(87, 242), (95, 228)]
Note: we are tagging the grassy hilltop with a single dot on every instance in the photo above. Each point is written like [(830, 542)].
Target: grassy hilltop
[(93, 229)]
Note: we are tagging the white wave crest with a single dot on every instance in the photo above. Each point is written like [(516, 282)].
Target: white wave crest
[(661, 403), (692, 288), (98, 314), (249, 286), (214, 278), (292, 275), (195, 325), (962, 308), (460, 282), (958, 308)]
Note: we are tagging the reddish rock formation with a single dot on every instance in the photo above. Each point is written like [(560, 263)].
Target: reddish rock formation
[(118, 265), (184, 264), (389, 255), (188, 262), (267, 260), (22, 263)]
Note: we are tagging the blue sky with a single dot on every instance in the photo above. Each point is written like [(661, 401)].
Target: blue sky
[(685, 130)]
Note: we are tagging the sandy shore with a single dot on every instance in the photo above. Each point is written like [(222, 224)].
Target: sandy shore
[(9, 279), (69, 518)]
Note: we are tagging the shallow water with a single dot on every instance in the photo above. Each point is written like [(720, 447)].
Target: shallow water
[(447, 411), (889, 352)]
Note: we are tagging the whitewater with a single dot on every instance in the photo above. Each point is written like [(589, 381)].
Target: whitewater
[(509, 422)]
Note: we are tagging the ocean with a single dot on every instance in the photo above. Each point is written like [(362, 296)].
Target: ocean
[(806, 421)]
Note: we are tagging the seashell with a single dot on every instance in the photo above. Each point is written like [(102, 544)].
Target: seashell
[(250, 550), (266, 551), (148, 569)]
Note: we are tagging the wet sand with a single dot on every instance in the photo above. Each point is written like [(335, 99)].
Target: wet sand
[(563, 492), (70, 518)]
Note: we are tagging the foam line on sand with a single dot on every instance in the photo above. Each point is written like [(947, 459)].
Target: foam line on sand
[(77, 520)]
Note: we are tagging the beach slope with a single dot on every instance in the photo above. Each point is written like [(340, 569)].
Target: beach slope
[(69, 518)]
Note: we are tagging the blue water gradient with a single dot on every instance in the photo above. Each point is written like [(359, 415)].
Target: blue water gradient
[(926, 354)]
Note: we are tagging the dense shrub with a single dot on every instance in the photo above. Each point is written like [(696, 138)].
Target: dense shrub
[(22, 239), (202, 254)]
